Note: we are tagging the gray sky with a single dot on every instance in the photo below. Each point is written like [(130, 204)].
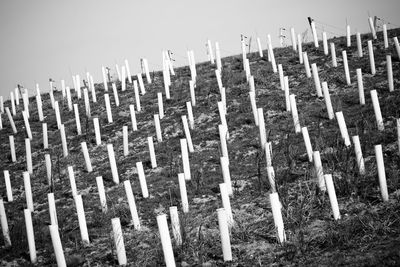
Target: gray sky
[(45, 39)]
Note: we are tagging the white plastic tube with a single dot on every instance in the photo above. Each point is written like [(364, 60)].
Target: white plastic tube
[(325, 43), (47, 160), (343, 128), (348, 36), (142, 179), (371, 57), (183, 193), (108, 108), (187, 134), (276, 212), (137, 96), (12, 149), (52, 209), (295, 114), (175, 225), (307, 143), (329, 108), (165, 240), (224, 232), (346, 67), (152, 152), (4, 224), (28, 191), (381, 172), (102, 194), (385, 36), (58, 250), (113, 163), (319, 173), (30, 235), (81, 219), (132, 204), (360, 87), (190, 115), (389, 72), (359, 46), (223, 188), (160, 105), (63, 141), (300, 48), (28, 155), (332, 196), (45, 136), (261, 128), (333, 53), (125, 140), (71, 177), (377, 110), (359, 156), (317, 82), (119, 241), (306, 65), (97, 130), (226, 174), (185, 159), (8, 185), (133, 117), (77, 119), (158, 128), (287, 100), (86, 156), (115, 92)]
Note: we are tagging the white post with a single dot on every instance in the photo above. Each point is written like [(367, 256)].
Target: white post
[(307, 143), (333, 53), (223, 95), (125, 140), (222, 136), (142, 179), (30, 235), (52, 209), (293, 36), (348, 36), (115, 92), (102, 193), (81, 219), (287, 100), (398, 133), (12, 100), (118, 72), (260, 52), (343, 128), (314, 33), (183, 193), (132, 204), (371, 57), (77, 88), (372, 27), (360, 87), (271, 53), (12, 149), (1, 104), (316, 80), (123, 81), (346, 67), (300, 48), (28, 155), (185, 159), (192, 93), (224, 232), (108, 108), (48, 167), (97, 130), (332, 196), (152, 152), (329, 108), (295, 114), (175, 225), (69, 100), (158, 128), (141, 84), (271, 178), (146, 69), (86, 156), (72, 181), (276, 212), (397, 45), (381, 172), (10, 118), (306, 64), (63, 141), (222, 114), (252, 95), (377, 110), (187, 134), (319, 173), (389, 72), (190, 115), (77, 119), (359, 156), (94, 99), (28, 191), (281, 80), (45, 138), (133, 117), (128, 71), (119, 241), (210, 52), (58, 250), (385, 36), (103, 70), (8, 185), (261, 127), (137, 96), (165, 240), (160, 105), (27, 126), (325, 43), (39, 107), (226, 174), (113, 164), (359, 47), (87, 102), (223, 188), (4, 224), (247, 69)]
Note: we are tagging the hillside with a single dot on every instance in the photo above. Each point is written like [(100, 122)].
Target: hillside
[(368, 233)]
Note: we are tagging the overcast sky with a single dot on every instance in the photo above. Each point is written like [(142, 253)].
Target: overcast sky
[(45, 39)]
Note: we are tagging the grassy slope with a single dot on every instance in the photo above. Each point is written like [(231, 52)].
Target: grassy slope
[(367, 234)]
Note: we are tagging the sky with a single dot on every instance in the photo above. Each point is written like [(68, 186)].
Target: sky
[(45, 39)]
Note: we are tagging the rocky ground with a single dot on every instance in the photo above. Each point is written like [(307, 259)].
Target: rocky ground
[(368, 233)]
